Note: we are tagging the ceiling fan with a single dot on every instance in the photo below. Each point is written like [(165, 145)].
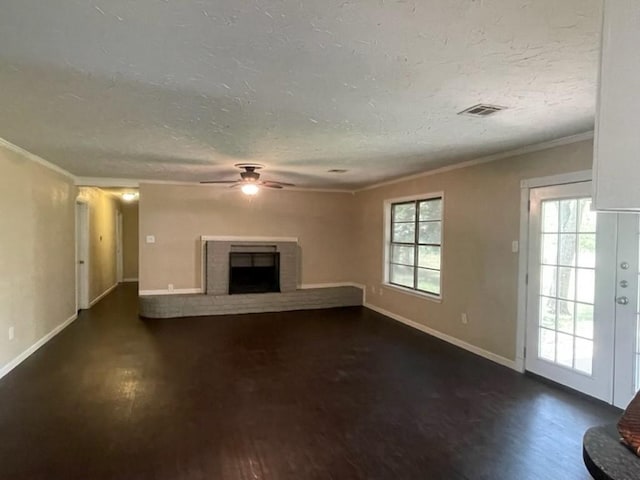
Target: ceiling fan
[(249, 181)]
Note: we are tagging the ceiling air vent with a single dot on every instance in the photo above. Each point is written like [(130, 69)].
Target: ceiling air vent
[(482, 110)]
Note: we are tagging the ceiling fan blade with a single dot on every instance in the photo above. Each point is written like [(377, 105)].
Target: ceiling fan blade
[(267, 183), (271, 185), (220, 181)]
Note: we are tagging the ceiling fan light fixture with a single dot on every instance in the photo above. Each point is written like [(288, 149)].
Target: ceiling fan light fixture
[(250, 189)]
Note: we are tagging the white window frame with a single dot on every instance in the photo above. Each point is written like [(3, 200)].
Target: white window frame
[(387, 244)]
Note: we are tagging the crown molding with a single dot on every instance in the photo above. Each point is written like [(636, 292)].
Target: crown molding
[(110, 182), (135, 182), (106, 182), (35, 158), (580, 137)]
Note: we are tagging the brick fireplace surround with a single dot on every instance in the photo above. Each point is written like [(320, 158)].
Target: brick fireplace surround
[(216, 299)]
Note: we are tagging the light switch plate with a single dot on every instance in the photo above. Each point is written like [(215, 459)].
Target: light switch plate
[(151, 239), (515, 246)]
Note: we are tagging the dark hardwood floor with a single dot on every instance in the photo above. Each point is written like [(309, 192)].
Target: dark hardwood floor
[(331, 394)]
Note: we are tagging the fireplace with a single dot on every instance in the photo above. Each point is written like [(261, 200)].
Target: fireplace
[(254, 272), (217, 261)]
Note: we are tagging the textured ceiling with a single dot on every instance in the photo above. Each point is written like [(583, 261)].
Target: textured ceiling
[(183, 89)]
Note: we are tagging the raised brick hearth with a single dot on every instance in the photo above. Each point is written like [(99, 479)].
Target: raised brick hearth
[(217, 301)]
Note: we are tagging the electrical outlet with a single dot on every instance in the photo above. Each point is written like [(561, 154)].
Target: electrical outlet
[(11, 333), (170, 287), (150, 239), (464, 319)]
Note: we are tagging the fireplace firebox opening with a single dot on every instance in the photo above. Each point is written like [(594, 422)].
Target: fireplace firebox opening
[(254, 272)]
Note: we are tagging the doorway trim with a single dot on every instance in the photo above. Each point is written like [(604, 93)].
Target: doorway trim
[(523, 255), (119, 248)]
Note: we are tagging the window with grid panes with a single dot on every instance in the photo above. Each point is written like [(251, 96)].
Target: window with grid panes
[(415, 245)]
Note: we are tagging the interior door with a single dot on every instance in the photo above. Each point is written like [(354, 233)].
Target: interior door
[(582, 298)]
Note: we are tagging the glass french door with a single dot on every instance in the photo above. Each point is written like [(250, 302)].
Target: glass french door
[(582, 294)]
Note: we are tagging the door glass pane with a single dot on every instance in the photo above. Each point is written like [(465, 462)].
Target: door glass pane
[(401, 275), (567, 287), (567, 249), (567, 283), (565, 316), (548, 308), (587, 250), (564, 352), (568, 215), (586, 285), (548, 280), (587, 222), (584, 320), (550, 216), (584, 355), (550, 248), (547, 348)]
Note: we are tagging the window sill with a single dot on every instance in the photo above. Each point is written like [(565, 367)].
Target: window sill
[(427, 296)]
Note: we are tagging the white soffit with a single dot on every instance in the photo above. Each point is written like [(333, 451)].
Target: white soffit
[(180, 91)]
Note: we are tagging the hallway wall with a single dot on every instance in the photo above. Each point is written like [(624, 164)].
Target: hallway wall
[(37, 254)]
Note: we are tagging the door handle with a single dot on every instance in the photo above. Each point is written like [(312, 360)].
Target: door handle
[(81, 262), (622, 301)]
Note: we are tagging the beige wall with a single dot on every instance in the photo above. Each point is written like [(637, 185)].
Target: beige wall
[(37, 252), (130, 239), (342, 239), (479, 272), (102, 240), (178, 215)]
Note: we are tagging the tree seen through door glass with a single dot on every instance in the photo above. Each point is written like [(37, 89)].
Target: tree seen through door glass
[(567, 283)]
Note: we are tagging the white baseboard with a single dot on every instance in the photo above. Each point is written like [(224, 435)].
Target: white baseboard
[(175, 291), (102, 295), (447, 338), (24, 355), (132, 279)]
